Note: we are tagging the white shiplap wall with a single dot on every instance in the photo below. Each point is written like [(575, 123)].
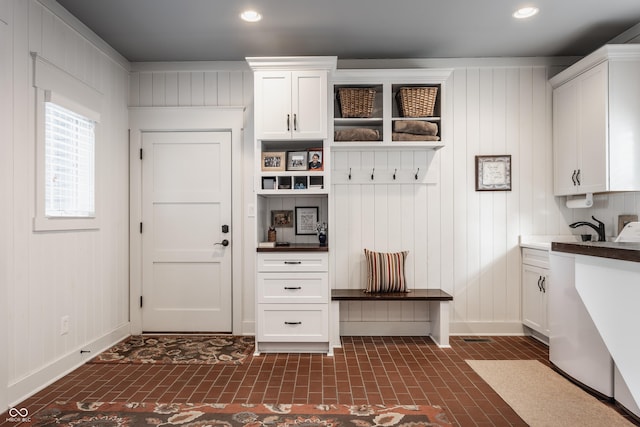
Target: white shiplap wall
[(83, 275), (461, 240)]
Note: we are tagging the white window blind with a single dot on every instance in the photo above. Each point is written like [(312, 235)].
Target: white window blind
[(69, 163)]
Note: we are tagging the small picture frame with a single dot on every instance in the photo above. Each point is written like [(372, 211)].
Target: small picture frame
[(282, 219), (493, 173), (296, 160), (315, 159), (273, 161), (306, 220)]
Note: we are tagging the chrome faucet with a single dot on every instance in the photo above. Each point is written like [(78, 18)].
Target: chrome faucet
[(599, 228)]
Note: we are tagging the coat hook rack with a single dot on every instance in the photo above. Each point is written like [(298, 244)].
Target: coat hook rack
[(394, 173), (417, 172), (372, 173)]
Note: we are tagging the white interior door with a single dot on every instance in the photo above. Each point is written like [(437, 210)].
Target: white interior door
[(186, 204)]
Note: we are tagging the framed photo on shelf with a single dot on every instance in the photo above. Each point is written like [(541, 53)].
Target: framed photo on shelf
[(493, 173), (282, 219), (315, 159), (296, 160), (273, 161), (306, 220)]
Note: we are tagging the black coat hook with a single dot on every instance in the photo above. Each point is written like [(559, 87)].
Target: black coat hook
[(349, 174), (372, 172), (394, 173), (417, 172)]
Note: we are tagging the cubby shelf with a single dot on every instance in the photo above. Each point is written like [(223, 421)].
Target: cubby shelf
[(386, 110)]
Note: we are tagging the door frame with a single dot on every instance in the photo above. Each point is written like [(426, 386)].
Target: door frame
[(185, 119)]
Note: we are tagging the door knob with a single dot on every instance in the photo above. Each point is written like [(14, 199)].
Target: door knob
[(225, 242)]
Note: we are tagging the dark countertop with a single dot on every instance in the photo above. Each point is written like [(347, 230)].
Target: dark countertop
[(297, 247), (624, 251)]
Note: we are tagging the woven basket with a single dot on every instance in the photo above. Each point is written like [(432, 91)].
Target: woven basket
[(417, 101), (356, 102)]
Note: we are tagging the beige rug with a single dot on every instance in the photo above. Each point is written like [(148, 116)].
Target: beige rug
[(542, 397)]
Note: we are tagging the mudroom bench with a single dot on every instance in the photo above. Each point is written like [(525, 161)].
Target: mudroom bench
[(437, 299)]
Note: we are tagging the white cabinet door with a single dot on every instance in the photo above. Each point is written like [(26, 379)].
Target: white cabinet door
[(535, 284), (565, 138), (592, 130), (273, 105), (580, 138), (309, 104), (291, 105)]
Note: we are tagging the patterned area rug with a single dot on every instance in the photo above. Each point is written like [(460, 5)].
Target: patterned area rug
[(192, 415), (168, 349)]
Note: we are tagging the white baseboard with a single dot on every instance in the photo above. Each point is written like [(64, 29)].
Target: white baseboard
[(45, 376), (486, 328)]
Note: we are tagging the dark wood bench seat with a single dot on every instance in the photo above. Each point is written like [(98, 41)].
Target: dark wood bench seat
[(437, 299), (413, 295)]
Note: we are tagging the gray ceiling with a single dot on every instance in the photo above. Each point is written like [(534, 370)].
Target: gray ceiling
[(210, 30)]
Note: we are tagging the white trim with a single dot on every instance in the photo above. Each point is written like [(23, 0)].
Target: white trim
[(52, 82), (195, 66), (487, 328), (144, 119), (74, 23), (48, 374), (288, 63)]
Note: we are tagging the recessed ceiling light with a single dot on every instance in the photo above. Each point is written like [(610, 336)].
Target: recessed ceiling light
[(250, 16), (525, 12)]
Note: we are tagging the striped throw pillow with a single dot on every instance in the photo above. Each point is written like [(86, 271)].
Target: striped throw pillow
[(385, 271)]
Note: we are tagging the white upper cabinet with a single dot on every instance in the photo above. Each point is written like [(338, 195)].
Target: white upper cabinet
[(291, 104), (596, 131)]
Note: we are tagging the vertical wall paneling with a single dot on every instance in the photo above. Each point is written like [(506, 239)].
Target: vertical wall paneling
[(80, 274), (6, 190)]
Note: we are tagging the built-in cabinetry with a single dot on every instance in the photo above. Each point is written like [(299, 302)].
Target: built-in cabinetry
[(292, 104), (388, 124), (292, 296), (596, 134), (535, 287), (291, 186)]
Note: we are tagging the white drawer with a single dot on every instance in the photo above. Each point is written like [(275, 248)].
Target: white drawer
[(301, 323), (293, 261), (535, 257), (293, 288)]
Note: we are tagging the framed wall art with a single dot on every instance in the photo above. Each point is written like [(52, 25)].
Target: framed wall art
[(282, 218), (493, 173), (306, 220)]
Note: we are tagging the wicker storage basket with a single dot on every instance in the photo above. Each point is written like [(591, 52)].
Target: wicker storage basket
[(417, 101), (356, 102)]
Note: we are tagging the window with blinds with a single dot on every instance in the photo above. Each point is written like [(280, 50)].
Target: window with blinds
[(69, 163)]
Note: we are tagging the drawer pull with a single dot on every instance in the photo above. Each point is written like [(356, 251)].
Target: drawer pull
[(293, 323), (293, 288), (293, 262)]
